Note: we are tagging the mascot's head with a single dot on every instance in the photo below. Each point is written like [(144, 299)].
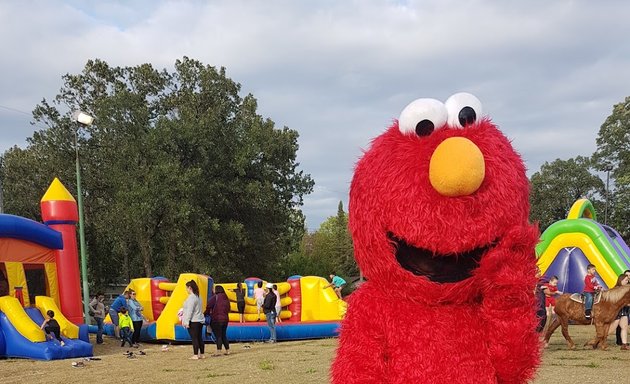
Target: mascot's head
[(434, 194)]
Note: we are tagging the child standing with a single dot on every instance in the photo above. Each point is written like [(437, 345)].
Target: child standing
[(550, 289), (259, 294), (278, 304), (126, 327), (591, 286), (51, 327)]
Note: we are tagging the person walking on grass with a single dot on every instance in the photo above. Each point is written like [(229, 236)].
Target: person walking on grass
[(218, 308), (622, 317), (97, 306), (120, 302), (618, 330), (193, 319), (135, 312), (126, 327), (269, 308)]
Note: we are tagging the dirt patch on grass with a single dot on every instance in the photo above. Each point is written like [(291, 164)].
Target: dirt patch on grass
[(290, 362)]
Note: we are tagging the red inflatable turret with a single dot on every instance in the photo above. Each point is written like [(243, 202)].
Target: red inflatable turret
[(59, 212)]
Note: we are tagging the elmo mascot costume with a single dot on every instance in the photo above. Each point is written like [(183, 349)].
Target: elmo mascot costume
[(439, 218)]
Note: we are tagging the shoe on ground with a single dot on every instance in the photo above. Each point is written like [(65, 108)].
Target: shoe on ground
[(78, 364), (625, 347)]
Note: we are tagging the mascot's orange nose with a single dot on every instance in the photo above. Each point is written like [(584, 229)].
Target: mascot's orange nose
[(457, 167)]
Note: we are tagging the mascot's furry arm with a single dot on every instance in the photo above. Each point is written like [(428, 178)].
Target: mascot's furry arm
[(507, 306), (361, 356)]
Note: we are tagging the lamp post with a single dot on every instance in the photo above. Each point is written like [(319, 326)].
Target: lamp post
[(607, 168), (86, 120)]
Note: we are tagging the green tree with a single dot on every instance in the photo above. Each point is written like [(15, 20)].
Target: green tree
[(613, 151), (558, 185), (329, 249), (179, 172)]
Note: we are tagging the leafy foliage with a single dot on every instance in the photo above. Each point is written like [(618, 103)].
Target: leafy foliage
[(327, 250), (179, 172), (613, 151), (558, 185)]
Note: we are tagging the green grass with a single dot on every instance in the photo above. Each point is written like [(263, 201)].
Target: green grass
[(266, 365)]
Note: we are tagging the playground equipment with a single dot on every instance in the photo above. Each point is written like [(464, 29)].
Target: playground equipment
[(569, 245), (309, 311), (41, 266)]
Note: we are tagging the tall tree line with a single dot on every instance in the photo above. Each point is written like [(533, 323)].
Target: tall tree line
[(179, 173), (327, 250), (558, 184)]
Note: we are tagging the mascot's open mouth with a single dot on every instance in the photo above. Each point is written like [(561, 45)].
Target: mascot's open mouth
[(448, 268)]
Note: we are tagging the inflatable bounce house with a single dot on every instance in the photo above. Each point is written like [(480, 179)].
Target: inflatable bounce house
[(309, 310), (569, 245), (39, 271)]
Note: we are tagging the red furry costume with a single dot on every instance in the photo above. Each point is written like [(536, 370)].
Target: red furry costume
[(439, 219)]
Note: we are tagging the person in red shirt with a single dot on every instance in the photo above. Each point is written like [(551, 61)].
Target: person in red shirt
[(550, 289), (591, 286)]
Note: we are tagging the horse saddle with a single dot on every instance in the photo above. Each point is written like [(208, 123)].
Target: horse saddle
[(579, 297)]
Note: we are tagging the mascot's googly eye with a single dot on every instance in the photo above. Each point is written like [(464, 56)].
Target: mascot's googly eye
[(422, 116), (463, 109)]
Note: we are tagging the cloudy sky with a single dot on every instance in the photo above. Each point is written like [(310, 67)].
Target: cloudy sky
[(547, 72)]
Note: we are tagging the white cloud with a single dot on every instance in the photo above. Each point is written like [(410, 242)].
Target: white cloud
[(548, 73)]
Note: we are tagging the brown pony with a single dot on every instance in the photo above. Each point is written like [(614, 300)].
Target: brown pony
[(604, 313)]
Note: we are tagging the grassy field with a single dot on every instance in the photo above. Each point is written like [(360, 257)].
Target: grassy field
[(288, 362)]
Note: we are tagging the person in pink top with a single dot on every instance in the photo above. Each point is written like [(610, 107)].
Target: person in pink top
[(591, 286), (259, 296)]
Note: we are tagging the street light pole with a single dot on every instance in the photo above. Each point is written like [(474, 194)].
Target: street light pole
[(607, 168), (86, 120)]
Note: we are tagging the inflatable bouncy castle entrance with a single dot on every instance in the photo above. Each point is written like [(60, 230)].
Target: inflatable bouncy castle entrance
[(39, 271)]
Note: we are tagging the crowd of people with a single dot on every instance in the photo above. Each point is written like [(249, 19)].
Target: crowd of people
[(216, 315), (125, 314)]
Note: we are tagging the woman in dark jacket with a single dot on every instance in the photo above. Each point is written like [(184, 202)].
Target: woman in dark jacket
[(219, 308)]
